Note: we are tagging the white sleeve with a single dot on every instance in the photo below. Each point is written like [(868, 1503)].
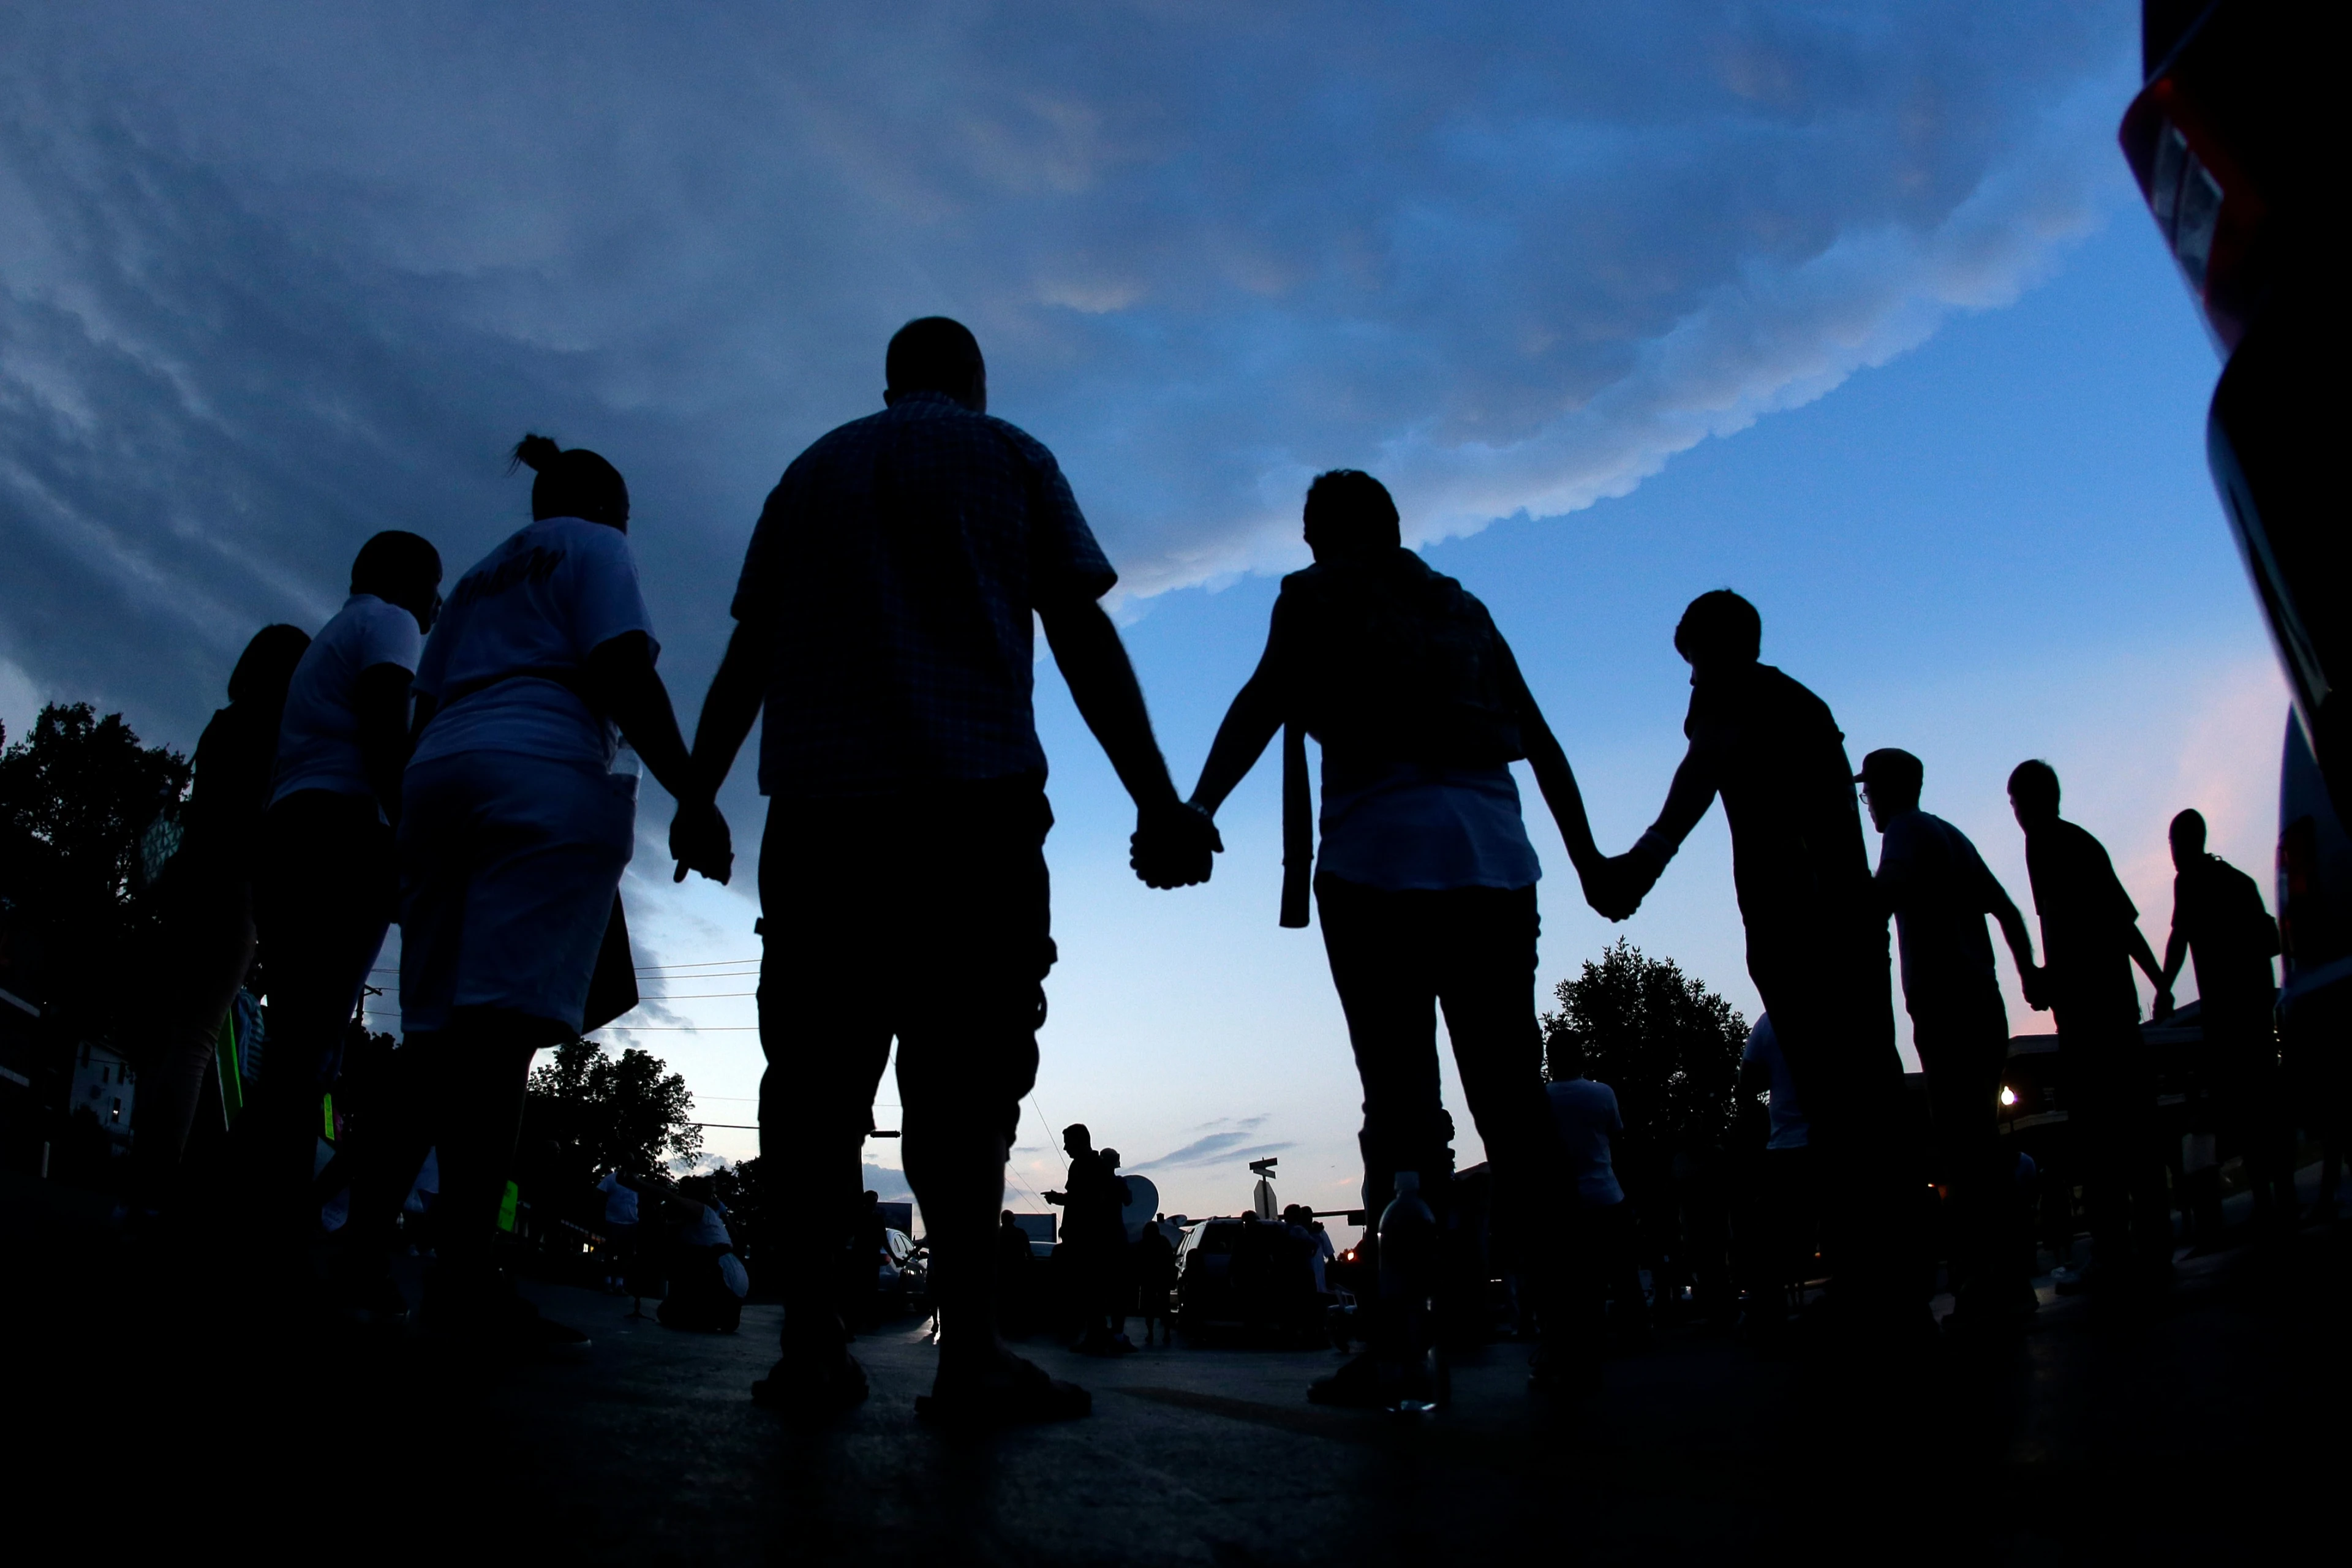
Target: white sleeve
[(388, 635), (606, 601)]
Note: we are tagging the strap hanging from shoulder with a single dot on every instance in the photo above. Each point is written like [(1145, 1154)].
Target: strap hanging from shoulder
[(1297, 826)]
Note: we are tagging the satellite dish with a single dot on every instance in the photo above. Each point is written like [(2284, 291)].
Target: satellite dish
[(1142, 1204)]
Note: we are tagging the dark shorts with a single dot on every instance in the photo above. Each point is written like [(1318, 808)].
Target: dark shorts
[(927, 920)]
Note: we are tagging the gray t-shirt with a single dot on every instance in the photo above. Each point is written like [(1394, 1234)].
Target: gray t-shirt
[(1587, 1118), (1940, 892)]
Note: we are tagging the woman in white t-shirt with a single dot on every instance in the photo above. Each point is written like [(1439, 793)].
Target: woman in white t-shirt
[(518, 820), (327, 885)]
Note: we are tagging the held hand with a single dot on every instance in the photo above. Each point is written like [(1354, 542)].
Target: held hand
[(2162, 1007), (1616, 889), (2035, 983), (700, 841), (1174, 846)]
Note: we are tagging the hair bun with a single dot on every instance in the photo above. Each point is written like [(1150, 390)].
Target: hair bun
[(537, 453)]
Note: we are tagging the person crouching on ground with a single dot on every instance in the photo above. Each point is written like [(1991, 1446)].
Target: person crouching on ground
[(514, 831), (1427, 886)]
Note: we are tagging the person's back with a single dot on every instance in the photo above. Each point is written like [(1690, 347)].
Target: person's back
[(2230, 936), (900, 561), (1797, 851), (2086, 917), (1587, 1118)]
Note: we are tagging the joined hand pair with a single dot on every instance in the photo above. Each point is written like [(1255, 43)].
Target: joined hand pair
[(700, 841), (1173, 844), (1616, 887)]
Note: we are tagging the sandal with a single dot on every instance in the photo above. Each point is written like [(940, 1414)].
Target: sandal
[(1030, 1395)]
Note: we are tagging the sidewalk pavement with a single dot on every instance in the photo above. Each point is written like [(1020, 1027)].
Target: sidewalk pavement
[(2190, 1427)]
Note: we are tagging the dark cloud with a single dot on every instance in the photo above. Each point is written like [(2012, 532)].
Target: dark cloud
[(273, 275), (1229, 1145)]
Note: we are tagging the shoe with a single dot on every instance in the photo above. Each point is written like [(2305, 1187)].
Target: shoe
[(1024, 1394), (809, 1387), (1355, 1386)]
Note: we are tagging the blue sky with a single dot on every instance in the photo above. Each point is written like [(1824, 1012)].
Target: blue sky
[(1851, 308)]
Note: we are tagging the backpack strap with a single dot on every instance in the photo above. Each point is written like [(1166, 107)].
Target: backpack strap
[(1297, 826)]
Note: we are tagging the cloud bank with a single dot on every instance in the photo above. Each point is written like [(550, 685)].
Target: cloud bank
[(274, 276)]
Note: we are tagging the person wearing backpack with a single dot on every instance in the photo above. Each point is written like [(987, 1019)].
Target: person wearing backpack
[(1427, 882)]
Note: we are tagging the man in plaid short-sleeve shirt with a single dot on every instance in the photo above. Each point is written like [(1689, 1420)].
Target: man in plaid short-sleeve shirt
[(884, 624)]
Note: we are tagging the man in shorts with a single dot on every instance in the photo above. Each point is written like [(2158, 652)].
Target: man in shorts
[(884, 623)]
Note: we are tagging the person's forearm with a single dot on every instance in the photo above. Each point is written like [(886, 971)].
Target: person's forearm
[(1687, 799), (1102, 683), (2145, 956), (2175, 953), (2019, 940), (1557, 780), (732, 704), (1250, 723), (620, 672)]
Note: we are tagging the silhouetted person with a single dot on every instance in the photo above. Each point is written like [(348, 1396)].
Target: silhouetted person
[(1936, 885), (330, 878), (1426, 887), (1817, 946), (1155, 1278), (2218, 919), (1790, 1199), (1589, 1120), (206, 937), (515, 826), (1015, 1268), (1094, 1237), (2090, 940), (884, 622)]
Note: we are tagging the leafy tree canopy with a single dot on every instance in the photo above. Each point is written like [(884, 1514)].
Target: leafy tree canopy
[(1668, 1045), (626, 1112)]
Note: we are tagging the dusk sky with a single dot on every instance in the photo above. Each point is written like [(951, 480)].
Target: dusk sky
[(1851, 308)]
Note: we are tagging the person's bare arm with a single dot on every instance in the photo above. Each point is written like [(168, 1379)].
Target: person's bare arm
[(1554, 777), (2175, 953), (2015, 932), (733, 702), (1250, 723), (1637, 870), (382, 706), (2145, 956), (623, 682), (1175, 841)]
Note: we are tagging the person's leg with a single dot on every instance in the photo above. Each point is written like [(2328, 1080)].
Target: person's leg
[(1960, 1050), (1485, 952), (827, 947), (1377, 945), (324, 900), (211, 945), (980, 946), (480, 1069)]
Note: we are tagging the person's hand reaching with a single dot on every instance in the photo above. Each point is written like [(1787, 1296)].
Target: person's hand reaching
[(1174, 846), (700, 841), (2035, 983)]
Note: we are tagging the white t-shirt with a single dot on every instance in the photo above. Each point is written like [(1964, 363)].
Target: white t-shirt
[(318, 739), (509, 658), (1789, 1128), (1588, 1117), (620, 1202), (1406, 825)]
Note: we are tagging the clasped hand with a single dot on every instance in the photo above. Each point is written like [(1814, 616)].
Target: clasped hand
[(1173, 844), (700, 841), (1616, 887)]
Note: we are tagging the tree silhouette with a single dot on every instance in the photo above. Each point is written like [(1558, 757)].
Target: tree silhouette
[(76, 797), (1668, 1045), (627, 1112)]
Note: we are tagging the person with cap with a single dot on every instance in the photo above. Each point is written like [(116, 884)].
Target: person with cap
[(884, 625), (2218, 919), (1424, 883), (330, 878), (1936, 885), (1816, 947), (517, 815), (2090, 940)]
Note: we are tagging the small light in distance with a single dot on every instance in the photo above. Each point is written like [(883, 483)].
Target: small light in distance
[(2008, 1095)]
